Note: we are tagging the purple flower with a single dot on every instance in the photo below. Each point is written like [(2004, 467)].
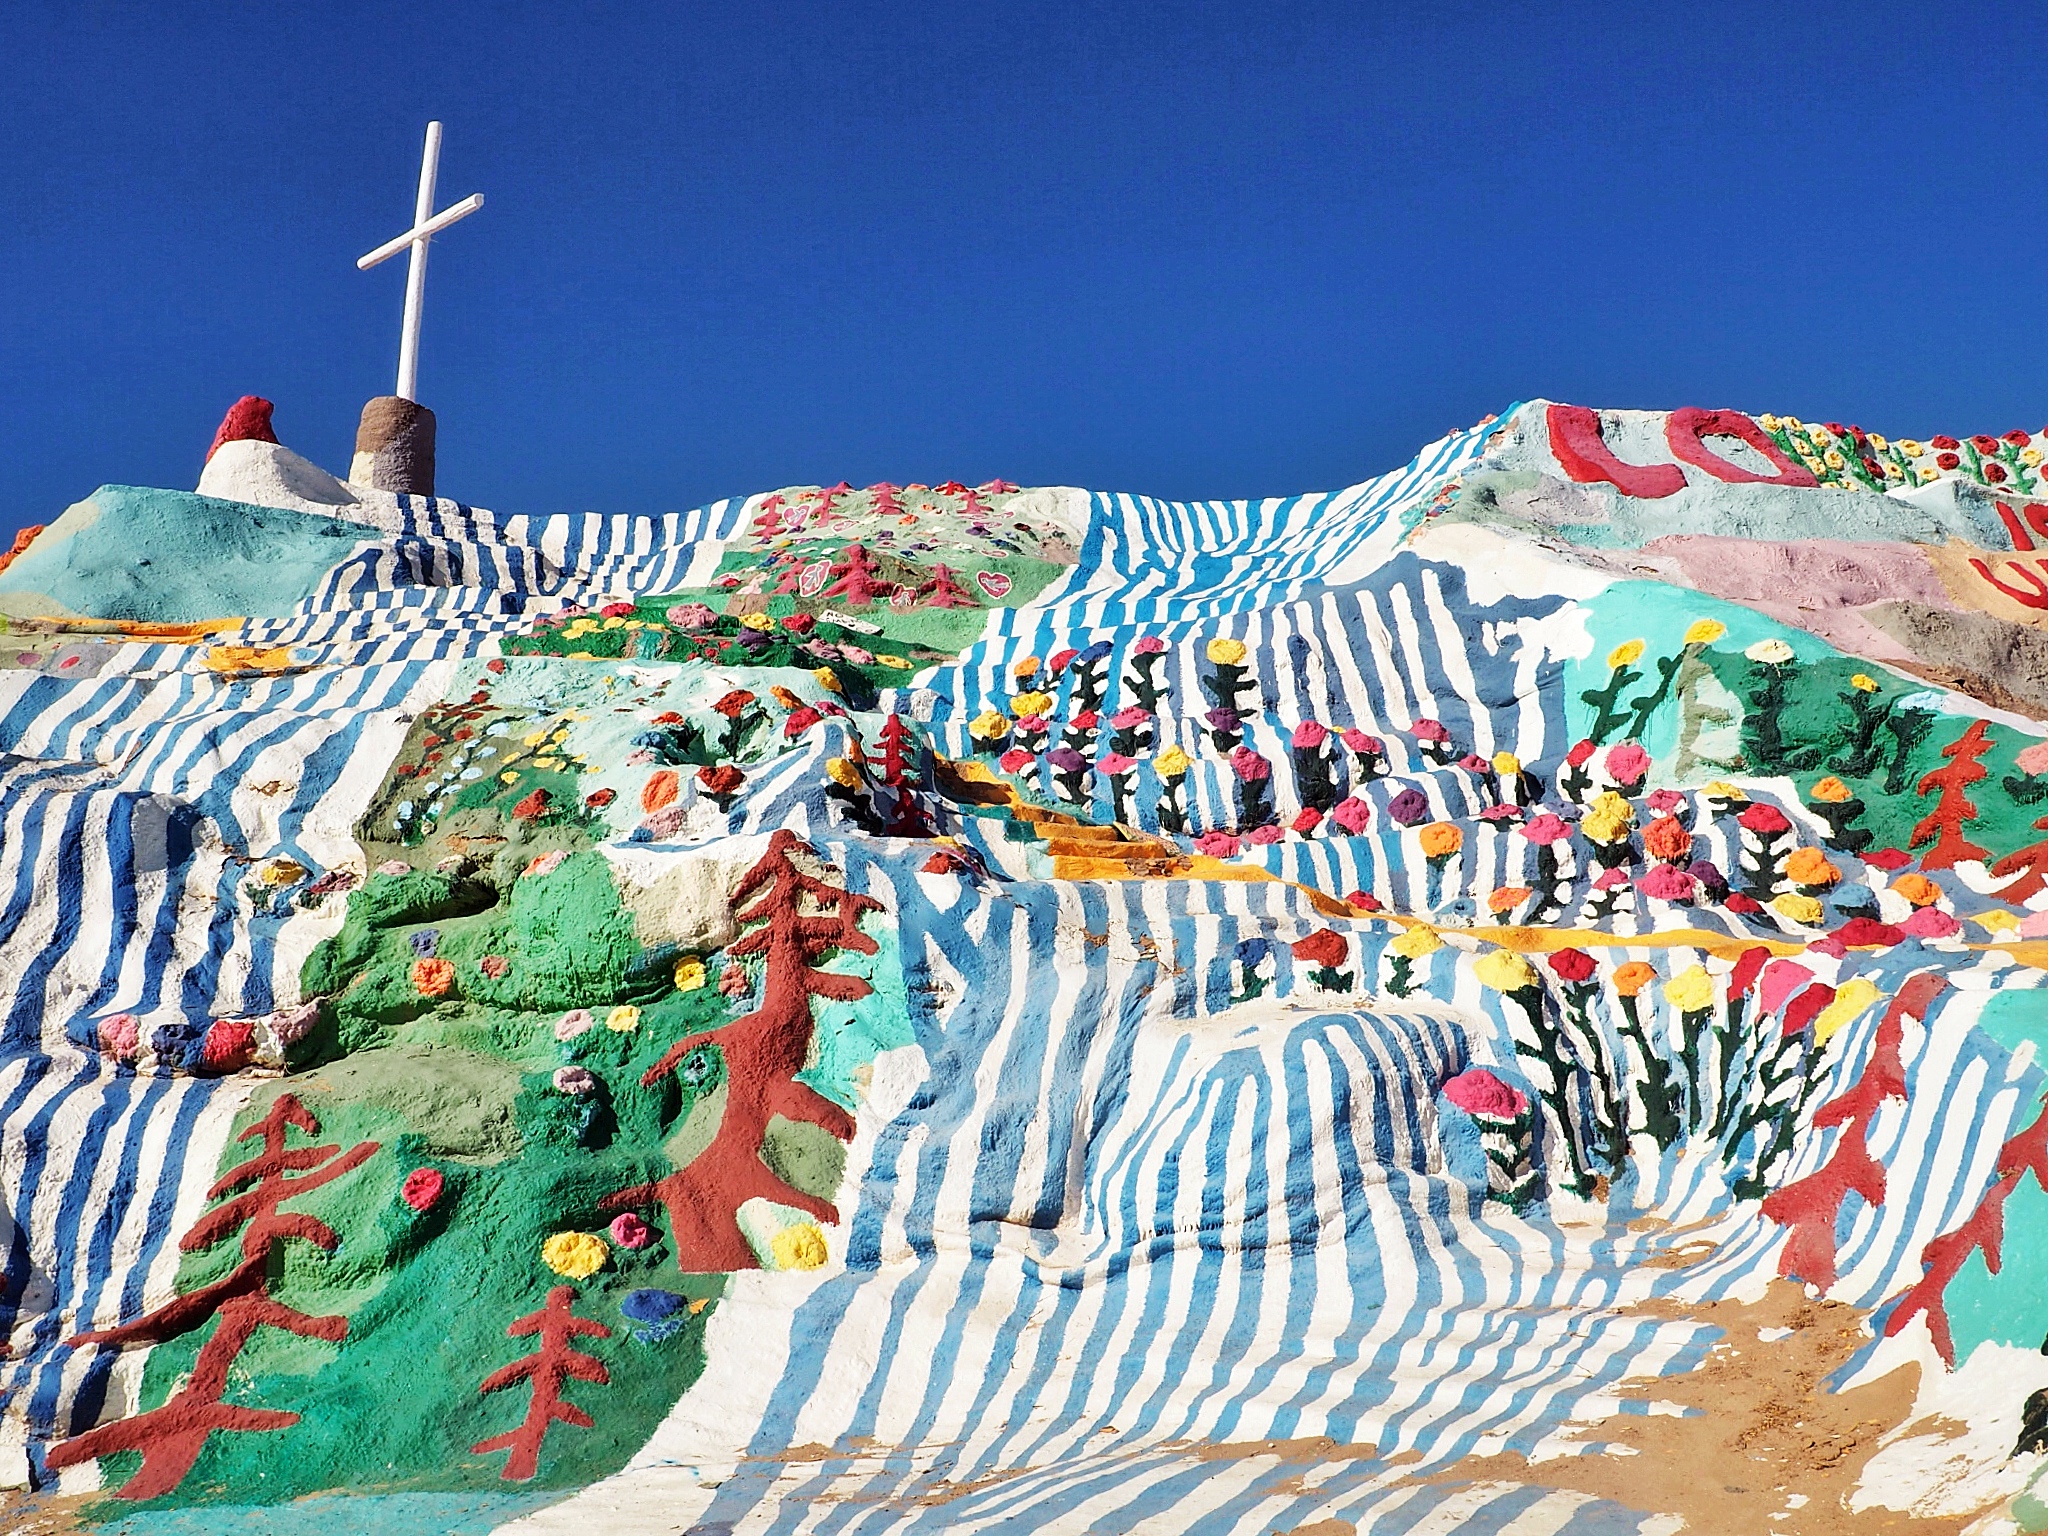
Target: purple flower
[(1709, 875), (1222, 720), (1410, 808), (1067, 760)]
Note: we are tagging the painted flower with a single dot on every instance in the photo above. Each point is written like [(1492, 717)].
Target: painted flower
[(533, 808), (575, 1081), (629, 1231), (1627, 763), (1216, 845), (422, 1187), (691, 616), (1504, 971), (1441, 839), (1690, 990), (1809, 866), (1031, 703), (1609, 818), (841, 771), (120, 1035), (1417, 942), (1931, 923), (1171, 763), (1429, 730), (725, 779), (1472, 762), (1352, 814), (1580, 754), (1771, 652), (689, 974), (1545, 828), (760, 623), (1667, 882), (1408, 808), (1325, 947), (1626, 654), (801, 1246), (1666, 838), (1794, 907), (1358, 741), (1573, 965), (1226, 653), (625, 1018), (1309, 819), (1918, 889), (1249, 766), (1264, 836), (1016, 760), (1129, 718), (1630, 978), (1948, 460), (574, 1255), (1148, 645), (989, 725), (573, 1023), (1507, 898), (1506, 764), (730, 704), (2033, 760), (660, 790), (1704, 631), (432, 977), (1114, 763), (1830, 791), (1309, 735), (1764, 820)]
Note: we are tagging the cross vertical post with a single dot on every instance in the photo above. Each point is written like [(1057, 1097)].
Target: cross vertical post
[(416, 270)]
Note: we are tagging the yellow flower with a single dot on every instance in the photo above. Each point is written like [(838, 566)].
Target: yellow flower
[(1504, 970), (1911, 447), (1704, 631), (614, 623), (574, 1255), (689, 974), (989, 725), (1928, 474), (784, 697), (1690, 990), (1812, 462), (757, 621), (1833, 459), (1506, 764), (1624, 654), (1768, 422), (1877, 441), (1033, 703), (1863, 682), (1830, 791), (1416, 942), (623, 1018), (888, 659), (799, 1247), (1820, 434), (1171, 763), (1608, 819), (1440, 840), (1793, 423), (1997, 920), (1771, 652), (1793, 907), (1226, 653), (535, 739), (508, 777), (2030, 456), (827, 679), (1852, 999), (843, 773)]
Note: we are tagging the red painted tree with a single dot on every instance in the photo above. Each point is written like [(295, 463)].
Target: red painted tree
[(1943, 1258), (2030, 864), (857, 579), (894, 734), (1943, 825), (944, 590), (795, 920), (170, 1437), (546, 1369), (1810, 1206)]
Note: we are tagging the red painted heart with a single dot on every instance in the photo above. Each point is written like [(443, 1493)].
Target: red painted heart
[(994, 583)]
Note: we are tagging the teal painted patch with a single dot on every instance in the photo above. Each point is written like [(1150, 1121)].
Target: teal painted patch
[(2013, 1015), (172, 557)]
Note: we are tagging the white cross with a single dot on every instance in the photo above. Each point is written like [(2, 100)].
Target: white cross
[(425, 225)]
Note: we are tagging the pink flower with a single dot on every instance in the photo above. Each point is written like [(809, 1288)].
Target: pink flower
[(1472, 762), (1310, 734), (1429, 730), (1249, 766), (1627, 763), (1116, 762), (1129, 719), (422, 1187), (1217, 845), (1546, 828), (120, 1035), (1352, 815), (1931, 923), (1148, 645), (629, 1231), (1664, 801), (1667, 882), (1611, 879), (1362, 744), (1502, 812), (1479, 1092), (1265, 836), (1016, 760)]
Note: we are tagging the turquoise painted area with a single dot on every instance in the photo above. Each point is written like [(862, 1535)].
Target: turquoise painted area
[(1980, 1307), (2011, 1017), (171, 557), (389, 1514)]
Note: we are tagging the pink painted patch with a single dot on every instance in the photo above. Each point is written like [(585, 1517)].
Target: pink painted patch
[(2034, 926), (1781, 979), (629, 1231), (422, 1187), (994, 583), (1479, 1092), (1931, 923)]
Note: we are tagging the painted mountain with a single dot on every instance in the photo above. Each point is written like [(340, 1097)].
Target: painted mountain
[(1504, 998)]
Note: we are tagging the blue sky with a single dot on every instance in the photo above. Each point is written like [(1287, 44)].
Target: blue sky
[(1193, 250)]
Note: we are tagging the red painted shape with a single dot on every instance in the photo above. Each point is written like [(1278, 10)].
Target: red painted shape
[(944, 590), (247, 421), (2037, 598), (894, 734), (1583, 453), (170, 1437), (858, 579), (2030, 864), (1810, 1206), (546, 1369), (764, 1050), (1943, 1258), (2020, 541), (22, 540), (1943, 825), (1687, 432)]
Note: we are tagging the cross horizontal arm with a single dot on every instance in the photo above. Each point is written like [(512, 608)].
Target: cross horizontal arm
[(435, 225)]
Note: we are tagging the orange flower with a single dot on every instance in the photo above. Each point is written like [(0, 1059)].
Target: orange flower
[(432, 976), (660, 790), (1631, 978), (1917, 889), (1830, 791), (1666, 838), (1440, 839), (1507, 898), (1809, 866)]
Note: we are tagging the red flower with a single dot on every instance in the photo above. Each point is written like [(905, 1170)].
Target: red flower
[(1764, 820), (1364, 901), (1888, 859), (1573, 965), (1744, 905), (1944, 441), (731, 705), (230, 1043), (1309, 819), (1995, 473), (800, 720), (497, 663), (722, 780), (799, 623), (1325, 947), (1984, 444), (1864, 932), (1087, 720), (668, 717), (1947, 460), (422, 1187), (533, 807), (616, 611), (2017, 438), (1580, 755), (1058, 662), (598, 799)]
